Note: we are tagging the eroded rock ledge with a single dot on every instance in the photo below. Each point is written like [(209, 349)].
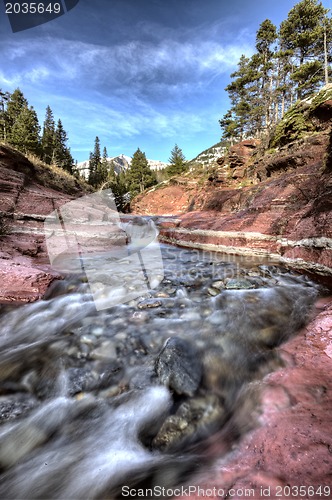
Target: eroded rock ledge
[(309, 254), (29, 192), (287, 219)]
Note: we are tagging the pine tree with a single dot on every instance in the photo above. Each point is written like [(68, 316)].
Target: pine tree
[(15, 105), (238, 121), (91, 178), (102, 170), (139, 176), (105, 164), (4, 97), (48, 137), (258, 101), (119, 185), (104, 158), (61, 154), (264, 86), (327, 30), (265, 37), (177, 162), (284, 87), (94, 163), (25, 131), (303, 33), (229, 126)]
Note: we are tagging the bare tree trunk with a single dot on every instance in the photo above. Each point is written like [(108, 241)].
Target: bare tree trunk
[(283, 105), (325, 57)]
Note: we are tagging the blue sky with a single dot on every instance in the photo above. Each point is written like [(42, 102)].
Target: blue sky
[(137, 73)]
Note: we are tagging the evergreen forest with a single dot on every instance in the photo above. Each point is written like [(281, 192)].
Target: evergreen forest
[(290, 63), (19, 127)]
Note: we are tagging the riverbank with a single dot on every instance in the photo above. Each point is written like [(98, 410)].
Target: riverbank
[(237, 236), (29, 191), (292, 447)]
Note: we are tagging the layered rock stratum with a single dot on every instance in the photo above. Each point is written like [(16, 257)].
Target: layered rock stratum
[(29, 192), (275, 205)]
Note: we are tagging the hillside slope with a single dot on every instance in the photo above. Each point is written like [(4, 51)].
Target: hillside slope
[(29, 190), (274, 203)]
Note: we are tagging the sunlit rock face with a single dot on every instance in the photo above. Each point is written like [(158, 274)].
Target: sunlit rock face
[(28, 194)]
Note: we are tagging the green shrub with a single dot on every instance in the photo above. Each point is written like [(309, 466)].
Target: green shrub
[(293, 126)]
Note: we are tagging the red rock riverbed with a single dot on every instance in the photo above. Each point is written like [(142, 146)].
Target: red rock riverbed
[(292, 446)]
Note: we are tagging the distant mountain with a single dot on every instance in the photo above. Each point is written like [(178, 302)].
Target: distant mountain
[(209, 156), (121, 164)]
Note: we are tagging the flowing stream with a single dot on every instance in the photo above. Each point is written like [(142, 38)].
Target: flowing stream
[(95, 399)]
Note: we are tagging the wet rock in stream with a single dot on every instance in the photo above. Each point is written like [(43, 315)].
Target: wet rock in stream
[(178, 366), (94, 399), (194, 418)]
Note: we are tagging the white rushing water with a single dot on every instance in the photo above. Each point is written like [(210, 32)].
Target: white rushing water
[(91, 400)]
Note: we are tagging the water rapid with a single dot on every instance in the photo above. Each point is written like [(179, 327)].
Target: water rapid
[(93, 399)]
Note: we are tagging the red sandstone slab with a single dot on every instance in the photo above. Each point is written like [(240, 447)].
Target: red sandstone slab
[(23, 283), (292, 447)]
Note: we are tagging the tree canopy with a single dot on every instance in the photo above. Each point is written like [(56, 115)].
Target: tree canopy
[(48, 137), (24, 133), (177, 162), (290, 63), (139, 177), (19, 126)]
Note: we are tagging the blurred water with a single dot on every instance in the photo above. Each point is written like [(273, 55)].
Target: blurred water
[(83, 408)]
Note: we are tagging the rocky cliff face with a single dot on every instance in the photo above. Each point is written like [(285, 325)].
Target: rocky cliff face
[(29, 192), (276, 204), (284, 214)]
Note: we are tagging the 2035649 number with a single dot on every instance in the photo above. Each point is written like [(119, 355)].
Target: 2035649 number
[(33, 8), (302, 491)]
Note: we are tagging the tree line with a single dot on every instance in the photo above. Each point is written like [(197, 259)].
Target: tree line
[(19, 126), (290, 63), (127, 184)]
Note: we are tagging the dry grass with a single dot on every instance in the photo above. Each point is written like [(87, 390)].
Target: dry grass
[(36, 170)]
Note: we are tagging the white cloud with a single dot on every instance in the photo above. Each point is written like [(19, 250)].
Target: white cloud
[(133, 64), (129, 122), (152, 85), (9, 82), (37, 74)]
